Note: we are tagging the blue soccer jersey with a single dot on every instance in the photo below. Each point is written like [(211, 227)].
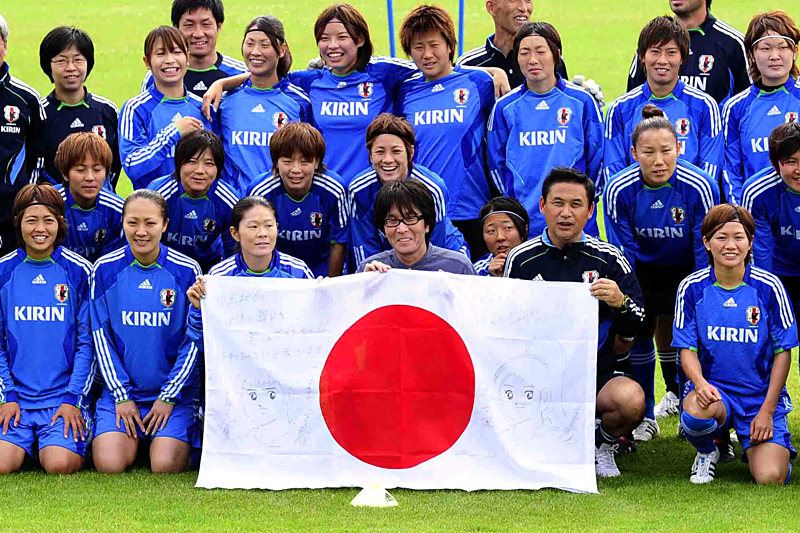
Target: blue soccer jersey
[(449, 118), (147, 133), (198, 227), (96, 231), (735, 332), (776, 210), (366, 239), (307, 228), (138, 322), (344, 106), (46, 353), (529, 134), (694, 113), (748, 119), (248, 118), (660, 226), (482, 265)]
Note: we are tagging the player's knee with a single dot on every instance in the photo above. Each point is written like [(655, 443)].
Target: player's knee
[(629, 398), (770, 474), (62, 464), (691, 406), (160, 464), (9, 465), (107, 462)]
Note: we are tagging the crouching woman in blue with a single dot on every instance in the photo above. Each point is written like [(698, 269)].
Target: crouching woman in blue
[(735, 329), (46, 359), (139, 314), (504, 223)]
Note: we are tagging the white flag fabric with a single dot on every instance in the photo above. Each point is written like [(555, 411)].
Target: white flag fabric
[(421, 380)]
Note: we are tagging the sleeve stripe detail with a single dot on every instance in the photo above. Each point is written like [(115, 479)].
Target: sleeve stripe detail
[(226, 194), (634, 66), (183, 260), (223, 268), (87, 385), (524, 247), (699, 183), (79, 260), (471, 54), (298, 91), (711, 104), (146, 152), (180, 380), (168, 189), (116, 255), (697, 277), (785, 308), (337, 190), (761, 185), (635, 93), (128, 111), (611, 250), (616, 186), (294, 262), (266, 186), (107, 366), (436, 191), (728, 109)]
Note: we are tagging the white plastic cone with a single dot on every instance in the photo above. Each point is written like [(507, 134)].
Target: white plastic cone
[(374, 496)]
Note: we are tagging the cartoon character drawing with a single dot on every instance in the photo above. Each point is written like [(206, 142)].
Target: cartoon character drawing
[(524, 396)]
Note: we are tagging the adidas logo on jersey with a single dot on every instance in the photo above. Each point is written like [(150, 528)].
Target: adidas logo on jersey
[(297, 211), (657, 205), (258, 109), (730, 303), (538, 278), (145, 284), (191, 215), (38, 280), (76, 123), (83, 227), (542, 106), (797, 209), (774, 111), (200, 87), (342, 85), (177, 117), (437, 88)]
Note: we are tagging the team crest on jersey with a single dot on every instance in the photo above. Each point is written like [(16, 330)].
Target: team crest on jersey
[(365, 89), (100, 234), (678, 215), (279, 120), (316, 219), (791, 117), (99, 130), (564, 116), (11, 113), (209, 224), (461, 96), (590, 276), (167, 297), (706, 63), (682, 125), (62, 292), (753, 315)]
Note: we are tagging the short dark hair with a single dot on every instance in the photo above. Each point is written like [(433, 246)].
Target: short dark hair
[(721, 214), (426, 19), (784, 142), (169, 36), (776, 21), (407, 195), (568, 175), (512, 205), (58, 40), (297, 137), (389, 124), (150, 196), (547, 32), (181, 7), (277, 37), (660, 31), (195, 143), (653, 118), (245, 204), (355, 24), (39, 194)]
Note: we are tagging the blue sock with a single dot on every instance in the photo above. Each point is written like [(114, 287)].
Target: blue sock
[(643, 362), (699, 431), (788, 474)]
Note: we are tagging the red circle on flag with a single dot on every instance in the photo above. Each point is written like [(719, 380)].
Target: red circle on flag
[(398, 387)]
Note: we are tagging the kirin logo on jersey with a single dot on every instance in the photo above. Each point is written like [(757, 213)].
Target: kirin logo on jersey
[(683, 125), (168, 297), (564, 116), (279, 120), (365, 89), (209, 224), (62, 292), (791, 117), (99, 130), (753, 315), (678, 215), (11, 113), (100, 234), (590, 276), (706, 63), (316, 219), (461, 96)]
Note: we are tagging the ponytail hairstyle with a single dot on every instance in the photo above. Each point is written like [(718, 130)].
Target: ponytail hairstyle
[(719, 215), (653, 118), (45, 195), (277, 36)]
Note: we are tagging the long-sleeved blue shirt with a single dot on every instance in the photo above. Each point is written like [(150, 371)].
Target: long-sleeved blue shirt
[(46, 353), (748, 119), (660, 226), (96, 231)]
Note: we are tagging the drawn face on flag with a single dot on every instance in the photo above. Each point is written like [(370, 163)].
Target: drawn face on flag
[(523, 395), (263, 403)]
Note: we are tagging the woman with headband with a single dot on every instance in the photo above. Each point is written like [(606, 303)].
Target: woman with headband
[(504, 223), (735, 330), (774, 98)]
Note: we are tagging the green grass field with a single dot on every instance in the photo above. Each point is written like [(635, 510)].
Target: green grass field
[(653, 493)]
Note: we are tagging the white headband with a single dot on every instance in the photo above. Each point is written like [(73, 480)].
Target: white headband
[(773, 37)]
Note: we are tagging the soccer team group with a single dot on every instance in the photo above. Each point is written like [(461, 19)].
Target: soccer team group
[(490, 165)]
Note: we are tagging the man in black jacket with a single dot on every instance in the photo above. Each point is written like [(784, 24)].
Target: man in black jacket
[(564, 253)]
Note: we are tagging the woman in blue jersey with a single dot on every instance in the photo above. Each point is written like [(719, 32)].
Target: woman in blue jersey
[(448, 107), (735, 330), (198, 203), (46, 356), (505, 225), (311, 201), (774, 98), (152, 123), (653, 213), (250, 115), (94, 215), (545, 123), (149, 366)]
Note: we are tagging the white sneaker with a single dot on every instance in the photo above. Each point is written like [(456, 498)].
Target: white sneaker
[(704, 467), (647, 430), (604, 464), (668, 406)]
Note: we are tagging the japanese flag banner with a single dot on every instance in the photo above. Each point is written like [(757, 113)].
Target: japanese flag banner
[(421, 380)]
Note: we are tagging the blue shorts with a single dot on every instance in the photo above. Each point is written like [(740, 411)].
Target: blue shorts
[(183, 424), (741, 412), (34, 428)]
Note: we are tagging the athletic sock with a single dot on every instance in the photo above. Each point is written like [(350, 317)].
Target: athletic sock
[(643, 362), (788, 474), (669, 369), (699, 431), (602, 437)]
